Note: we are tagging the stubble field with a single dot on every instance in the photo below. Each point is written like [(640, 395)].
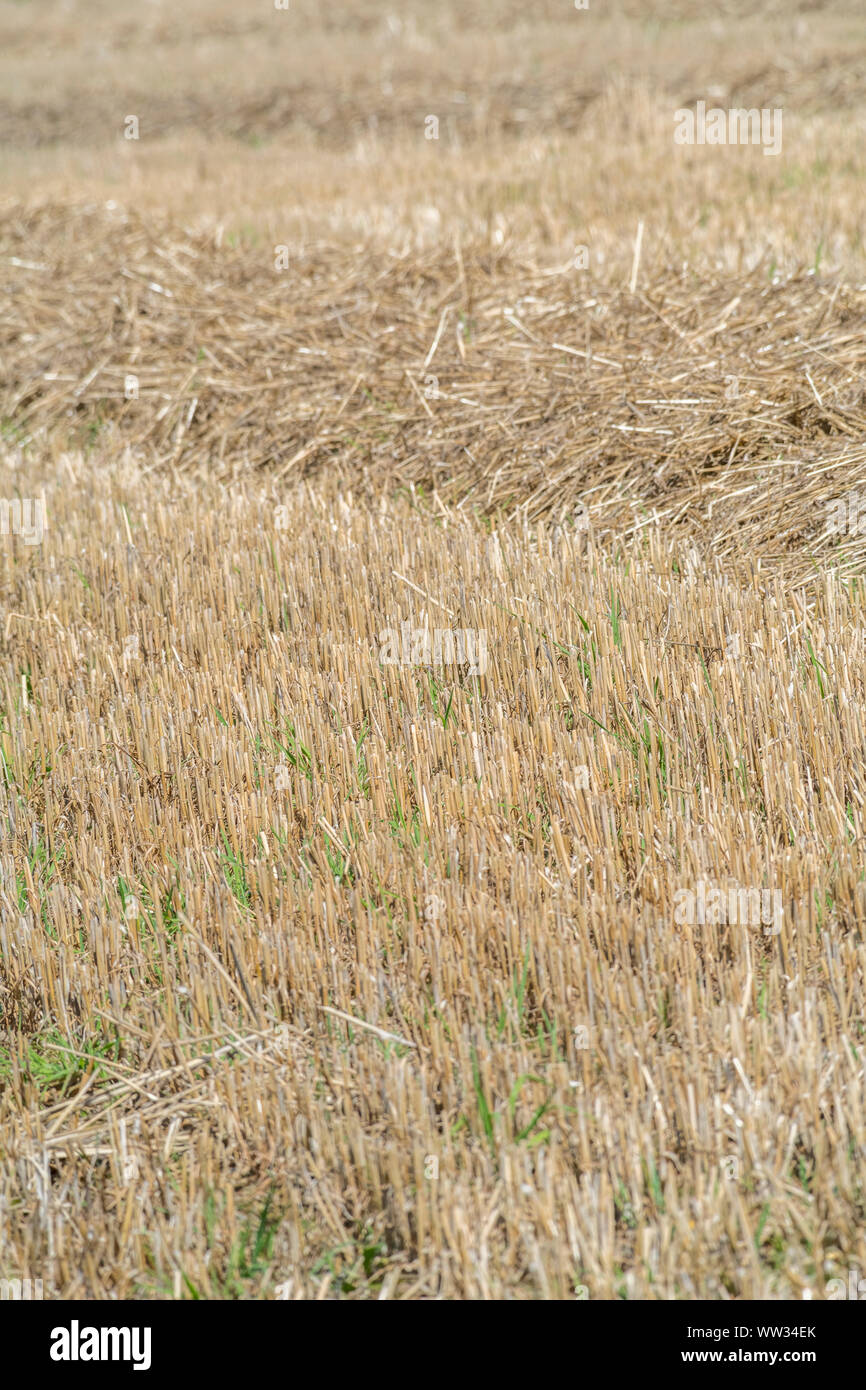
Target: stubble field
[(433, 653)]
